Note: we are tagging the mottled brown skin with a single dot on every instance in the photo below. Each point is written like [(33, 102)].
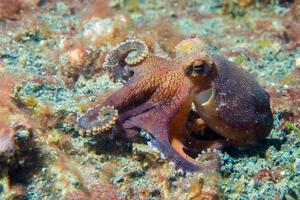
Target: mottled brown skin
[(159, 102), (239, 108), (159, 96)]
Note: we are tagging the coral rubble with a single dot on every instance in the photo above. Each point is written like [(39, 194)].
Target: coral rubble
[(51, 68)]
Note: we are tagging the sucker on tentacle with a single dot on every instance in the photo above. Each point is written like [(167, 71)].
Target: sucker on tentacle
[(158, 99), (96, 121), (130, 52), (211, 157)]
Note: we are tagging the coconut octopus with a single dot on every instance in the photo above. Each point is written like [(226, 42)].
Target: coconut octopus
[(158, 95)]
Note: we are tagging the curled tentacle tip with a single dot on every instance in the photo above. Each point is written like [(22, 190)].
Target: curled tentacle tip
[(94, 122), (138, 54), (130, 52)]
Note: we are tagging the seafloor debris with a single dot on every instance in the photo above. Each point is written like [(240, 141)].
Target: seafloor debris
[(96, 192), (15, 145), (264, 175), (36, 36), (9, 9), (79, 61)]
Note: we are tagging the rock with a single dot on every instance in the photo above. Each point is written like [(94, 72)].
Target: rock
[(297, 62)]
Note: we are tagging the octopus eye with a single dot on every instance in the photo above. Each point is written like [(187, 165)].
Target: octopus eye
[(202, 68), (190, 69), (199, 68)]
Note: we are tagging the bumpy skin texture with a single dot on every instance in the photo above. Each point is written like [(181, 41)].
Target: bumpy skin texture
[(118, 56), (159, 103), (159, 95), (97, 121), (239, 109)]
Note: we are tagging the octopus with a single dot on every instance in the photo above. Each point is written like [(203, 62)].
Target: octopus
[(160, 96)]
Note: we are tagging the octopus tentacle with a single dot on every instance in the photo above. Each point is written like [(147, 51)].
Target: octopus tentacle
[(193, 147), (210, 158), (206, 161), (168, 151), (96, 121), (130, 52), (141, 52), (159, 96)]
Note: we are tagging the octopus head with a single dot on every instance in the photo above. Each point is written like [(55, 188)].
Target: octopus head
[(234, 104), (227, 97)]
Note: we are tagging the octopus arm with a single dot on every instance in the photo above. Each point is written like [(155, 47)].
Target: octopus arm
[(157, 122), (131, 95), (149, 65), (118, 56), (158, 128)]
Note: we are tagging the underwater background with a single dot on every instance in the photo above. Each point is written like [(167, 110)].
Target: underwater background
[(51, 56)]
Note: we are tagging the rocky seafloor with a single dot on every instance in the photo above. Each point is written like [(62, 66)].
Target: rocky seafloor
[(51, 59)]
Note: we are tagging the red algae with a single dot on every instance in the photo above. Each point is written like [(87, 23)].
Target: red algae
[(160, 33), (9, 9), (7, 82), (6, 140), (82, 31), (80, 61), (97, 192), (264, 175), (98, 8), (13, 119), (288, 100), (291, 24)]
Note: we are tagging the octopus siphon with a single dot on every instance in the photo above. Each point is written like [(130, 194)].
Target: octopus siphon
[(158, 96)]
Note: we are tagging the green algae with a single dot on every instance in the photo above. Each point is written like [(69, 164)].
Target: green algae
[(294, 128), (239, 59), (137, 164)]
